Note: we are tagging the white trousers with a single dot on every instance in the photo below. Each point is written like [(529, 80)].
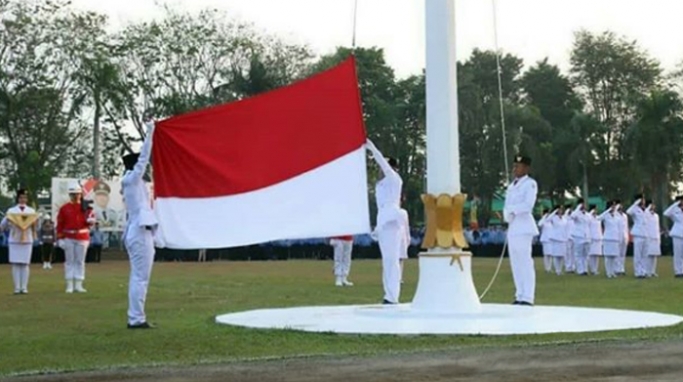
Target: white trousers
[(652, 265), (74, 259), (548, 263), (581, 256), (678, 255), (611, 265), (390, 246), (558, 262), (20, 274), (640, 247), (569, 263), (594, 264), (621, 259), (342, 257), (523, 272), (140, 248)]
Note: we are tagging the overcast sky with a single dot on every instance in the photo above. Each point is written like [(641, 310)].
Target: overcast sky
[(532, 29)]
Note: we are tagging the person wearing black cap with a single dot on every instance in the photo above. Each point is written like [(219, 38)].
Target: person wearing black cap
[(612, 236), (390, 232), (675, 213), (569, 262), (620, 263), (520, 199), (654, 240), (545, 226), (595, 248), (581, 236), (639, 231), (20, 240), (138, 235)]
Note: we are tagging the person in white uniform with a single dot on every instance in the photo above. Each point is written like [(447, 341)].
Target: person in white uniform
[(569, 263), (639, 231), (20, 242), (675, 213), (558, 238), (625, 237), (520, 199), (581, 237), (138, 236), (654, 240), (389, 227), (545, 226), (612, 237), (595, 251)]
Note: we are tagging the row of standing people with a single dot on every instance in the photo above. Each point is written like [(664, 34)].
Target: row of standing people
[(575, 239)]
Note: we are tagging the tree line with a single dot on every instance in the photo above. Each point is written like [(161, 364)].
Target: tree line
[(70, 87)]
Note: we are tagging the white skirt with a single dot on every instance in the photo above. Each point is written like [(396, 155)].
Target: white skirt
[(20, 253), (654, 247), (611, 248), (547, 248), (559, 248), (595, 248)]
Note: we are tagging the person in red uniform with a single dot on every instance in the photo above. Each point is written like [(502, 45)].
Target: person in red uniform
[(73, 234), (343, 245)]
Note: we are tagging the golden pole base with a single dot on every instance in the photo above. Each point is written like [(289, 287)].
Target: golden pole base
[(444, 221)]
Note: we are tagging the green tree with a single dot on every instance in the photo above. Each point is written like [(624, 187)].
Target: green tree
[(656, 142), (41, 103), (612, 74)]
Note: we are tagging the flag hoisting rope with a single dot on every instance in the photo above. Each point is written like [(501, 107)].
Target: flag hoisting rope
[(502, 126), (355, 19)]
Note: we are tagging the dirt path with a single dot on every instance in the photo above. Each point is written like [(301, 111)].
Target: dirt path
[(627, 362)]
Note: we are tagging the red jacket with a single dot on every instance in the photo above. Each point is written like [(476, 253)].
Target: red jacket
[(72, 222)]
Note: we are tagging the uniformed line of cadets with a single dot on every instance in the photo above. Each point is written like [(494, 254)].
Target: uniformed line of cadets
[(574, 239)]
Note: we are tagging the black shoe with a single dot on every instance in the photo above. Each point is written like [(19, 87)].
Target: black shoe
[(143, 325), (678, 276), (515, 302), (524, 303), (387, 302)]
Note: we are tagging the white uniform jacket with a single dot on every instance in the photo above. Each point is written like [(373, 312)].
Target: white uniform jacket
[(520, 199)]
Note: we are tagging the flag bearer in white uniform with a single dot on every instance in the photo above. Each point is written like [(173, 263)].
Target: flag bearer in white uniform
[(675, 213), (613, 235), (558, 238), (569, 263), (581, 237), (545, 227), (520, 199), (595, 251), (138, 236), (625, 237), (21, 239), (389, 229), (654, 240), (639, 231)]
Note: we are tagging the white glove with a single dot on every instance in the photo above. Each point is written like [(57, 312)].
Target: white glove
[(374, 236)]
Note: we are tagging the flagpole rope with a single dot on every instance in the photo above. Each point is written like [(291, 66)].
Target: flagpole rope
[(355, 24), (502, 125)]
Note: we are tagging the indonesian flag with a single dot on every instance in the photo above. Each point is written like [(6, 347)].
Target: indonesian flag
[(287, 164)]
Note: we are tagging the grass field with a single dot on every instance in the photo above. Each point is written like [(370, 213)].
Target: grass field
[(48, 330)]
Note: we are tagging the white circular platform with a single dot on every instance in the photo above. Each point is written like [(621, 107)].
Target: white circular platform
[(494, 319)]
